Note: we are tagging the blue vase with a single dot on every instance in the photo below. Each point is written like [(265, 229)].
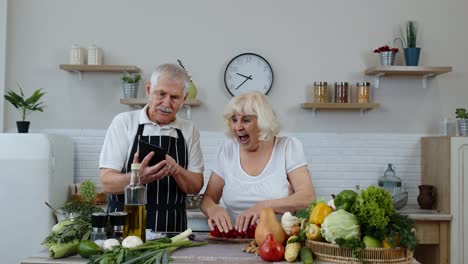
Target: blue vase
[(412, 56)]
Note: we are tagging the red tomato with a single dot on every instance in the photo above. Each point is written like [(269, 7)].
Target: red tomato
[(251, 231), (215, 232)]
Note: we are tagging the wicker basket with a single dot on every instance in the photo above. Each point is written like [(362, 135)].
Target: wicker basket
[(98, 200), (333, 253)]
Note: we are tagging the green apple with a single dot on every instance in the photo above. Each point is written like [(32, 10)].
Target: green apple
[(372, 242)]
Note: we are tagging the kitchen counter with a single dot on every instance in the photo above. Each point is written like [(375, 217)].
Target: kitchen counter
[(432, 234), (211, 253)]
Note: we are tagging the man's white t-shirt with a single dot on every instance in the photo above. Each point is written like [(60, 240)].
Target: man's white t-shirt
[(121, 134), (241, 191)]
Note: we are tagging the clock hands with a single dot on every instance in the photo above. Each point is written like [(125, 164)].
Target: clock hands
[(248, 77)]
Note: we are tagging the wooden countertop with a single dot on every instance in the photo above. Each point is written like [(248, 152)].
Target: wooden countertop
[(415, 213), (215, 252)]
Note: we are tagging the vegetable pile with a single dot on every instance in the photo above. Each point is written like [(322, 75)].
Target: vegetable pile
[(155, 251), (351, 220), (65, 237)]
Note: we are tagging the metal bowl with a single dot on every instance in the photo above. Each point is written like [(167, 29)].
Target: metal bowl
[(400, 201), (193, 201)]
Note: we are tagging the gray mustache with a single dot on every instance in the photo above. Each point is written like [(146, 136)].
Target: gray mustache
[(165, 109)]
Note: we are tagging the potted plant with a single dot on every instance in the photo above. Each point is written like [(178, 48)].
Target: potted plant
[(410, 49), (462, 121), (130, 85), (25, 105), (386, 55)]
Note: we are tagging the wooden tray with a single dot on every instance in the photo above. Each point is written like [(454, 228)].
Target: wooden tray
[(229, 240)]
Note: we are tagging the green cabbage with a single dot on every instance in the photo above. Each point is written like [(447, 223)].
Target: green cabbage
[(340, 224)]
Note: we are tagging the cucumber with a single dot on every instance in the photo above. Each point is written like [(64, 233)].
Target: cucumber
[(306, 256)]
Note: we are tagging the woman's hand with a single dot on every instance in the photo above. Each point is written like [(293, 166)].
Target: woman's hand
[(247, 218), (149, 174), (220, 218)]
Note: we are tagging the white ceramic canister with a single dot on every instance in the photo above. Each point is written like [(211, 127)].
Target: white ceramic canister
[(94, 55), (76, 55)]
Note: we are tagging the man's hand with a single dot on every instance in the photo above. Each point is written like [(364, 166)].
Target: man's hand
[(172, 167), (149, 174)]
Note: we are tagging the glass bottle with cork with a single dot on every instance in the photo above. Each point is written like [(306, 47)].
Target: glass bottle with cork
[(135, 205)]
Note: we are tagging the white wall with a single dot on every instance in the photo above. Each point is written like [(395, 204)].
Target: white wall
[(336, 161), (305, 41), (3, 29)]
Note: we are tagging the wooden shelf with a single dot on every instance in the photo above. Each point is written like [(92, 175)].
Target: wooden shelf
[(419, 71), (140, 102), (144, 101), (79, 68), (341, 106), (99, 68)]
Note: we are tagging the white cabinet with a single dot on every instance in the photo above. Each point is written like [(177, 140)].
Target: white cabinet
[(444, 164), (459, 206)]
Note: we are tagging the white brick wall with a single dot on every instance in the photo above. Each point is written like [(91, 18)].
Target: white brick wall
[(336, 161)]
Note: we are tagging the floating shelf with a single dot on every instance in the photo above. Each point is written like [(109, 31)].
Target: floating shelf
[(341, 106), (421, 71), (79, 68), (140, 102)]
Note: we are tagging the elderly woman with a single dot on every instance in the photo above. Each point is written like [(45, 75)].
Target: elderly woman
[(256, 168)]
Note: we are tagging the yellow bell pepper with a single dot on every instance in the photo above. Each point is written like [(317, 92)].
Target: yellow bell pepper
[(318, 214)]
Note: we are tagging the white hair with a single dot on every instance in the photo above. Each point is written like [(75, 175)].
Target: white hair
[(256, 104), (172, 72)]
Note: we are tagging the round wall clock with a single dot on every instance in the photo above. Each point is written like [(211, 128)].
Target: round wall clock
[(248, 72)]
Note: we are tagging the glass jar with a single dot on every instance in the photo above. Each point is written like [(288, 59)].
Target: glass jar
[(341, 92), (390, 182), (363, 92), (321, 92)]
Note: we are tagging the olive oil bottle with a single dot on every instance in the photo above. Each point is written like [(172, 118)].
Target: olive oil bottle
[(135, 206)]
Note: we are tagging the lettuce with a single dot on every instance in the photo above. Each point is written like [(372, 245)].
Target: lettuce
[(340, 225), (374, 208)]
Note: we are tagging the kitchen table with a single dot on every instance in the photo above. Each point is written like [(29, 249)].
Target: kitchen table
[(214, 252)]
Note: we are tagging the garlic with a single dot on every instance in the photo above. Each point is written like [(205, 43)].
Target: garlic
[(131, 242), (109, 244)]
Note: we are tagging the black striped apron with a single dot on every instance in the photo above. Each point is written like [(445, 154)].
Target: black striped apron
[(165, 211)]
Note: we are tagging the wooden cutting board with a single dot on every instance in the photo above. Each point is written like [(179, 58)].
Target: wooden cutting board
[(229, 240)]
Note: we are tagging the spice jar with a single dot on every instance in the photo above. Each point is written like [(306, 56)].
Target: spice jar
[(341, 92), (363, 92), (321, 92)]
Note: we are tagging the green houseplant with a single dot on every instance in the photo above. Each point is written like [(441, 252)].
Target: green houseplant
[(25, 105), (408, 42), (130, 85), (462, 121)]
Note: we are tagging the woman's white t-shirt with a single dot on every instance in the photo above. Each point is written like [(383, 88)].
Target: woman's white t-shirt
[(241, 191)]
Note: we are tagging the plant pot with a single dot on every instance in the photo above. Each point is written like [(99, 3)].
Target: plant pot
[(130, 90), (412, 56), (462, 127), (23, 126), (387, 58)]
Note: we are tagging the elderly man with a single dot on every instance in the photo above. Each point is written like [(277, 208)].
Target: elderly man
[(169, 181)]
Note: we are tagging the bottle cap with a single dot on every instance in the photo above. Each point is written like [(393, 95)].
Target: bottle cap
[(135, 166)]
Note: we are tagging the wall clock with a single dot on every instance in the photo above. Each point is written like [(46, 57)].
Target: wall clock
[(248, 72)]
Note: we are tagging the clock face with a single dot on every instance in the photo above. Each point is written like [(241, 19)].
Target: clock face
[(248, 72)]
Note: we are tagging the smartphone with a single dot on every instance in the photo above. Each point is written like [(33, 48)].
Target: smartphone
[(145, 148)]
